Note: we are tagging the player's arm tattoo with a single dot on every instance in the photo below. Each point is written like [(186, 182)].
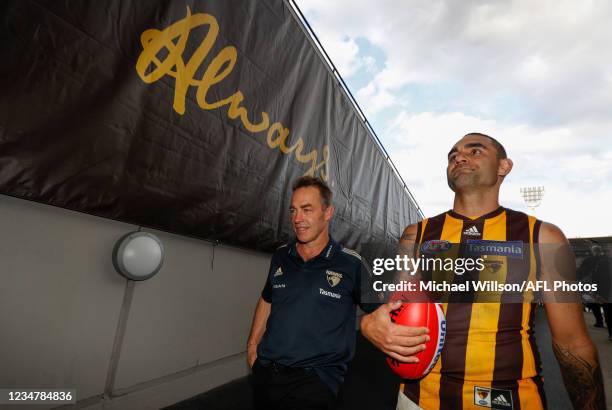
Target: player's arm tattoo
[(583, 380), (408, 236), (408, 247)]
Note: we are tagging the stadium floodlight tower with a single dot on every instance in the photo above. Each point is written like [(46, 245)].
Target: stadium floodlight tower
[(533, 196)]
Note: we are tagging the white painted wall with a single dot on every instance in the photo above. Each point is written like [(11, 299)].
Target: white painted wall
[(61, 300)]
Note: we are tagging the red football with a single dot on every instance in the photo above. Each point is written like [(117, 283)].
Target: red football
[(431, 316)]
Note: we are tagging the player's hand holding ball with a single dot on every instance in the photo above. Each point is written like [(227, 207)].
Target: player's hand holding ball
[(399, 342), (431, 316)]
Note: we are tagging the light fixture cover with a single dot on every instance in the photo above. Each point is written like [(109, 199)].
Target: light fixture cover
[(138, 255)]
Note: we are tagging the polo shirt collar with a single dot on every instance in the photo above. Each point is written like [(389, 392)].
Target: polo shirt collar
[(327, 253)]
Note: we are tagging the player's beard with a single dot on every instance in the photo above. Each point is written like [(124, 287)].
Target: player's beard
[(468, 181), (462, 181)]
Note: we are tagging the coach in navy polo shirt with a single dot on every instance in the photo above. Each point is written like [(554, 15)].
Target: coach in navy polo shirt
[(303, 332)]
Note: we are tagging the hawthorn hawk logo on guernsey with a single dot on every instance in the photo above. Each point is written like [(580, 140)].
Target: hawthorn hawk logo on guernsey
[(333, 278), (482, 394), (493, 265)]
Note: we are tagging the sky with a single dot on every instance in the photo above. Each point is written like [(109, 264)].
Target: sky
[(536, 75)]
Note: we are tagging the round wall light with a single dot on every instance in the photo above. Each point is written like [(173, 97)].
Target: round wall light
[(138, 255)]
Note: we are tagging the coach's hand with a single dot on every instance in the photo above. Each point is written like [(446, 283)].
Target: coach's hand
[(251, 355), (397, 341)]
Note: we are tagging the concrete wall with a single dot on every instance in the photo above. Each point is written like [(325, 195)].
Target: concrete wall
[(67, 319)]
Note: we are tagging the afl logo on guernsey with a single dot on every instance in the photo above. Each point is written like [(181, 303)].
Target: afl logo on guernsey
[(333, 278), (437, 245)]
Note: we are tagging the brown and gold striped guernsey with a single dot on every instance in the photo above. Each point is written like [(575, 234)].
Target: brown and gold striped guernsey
[(489, 359)]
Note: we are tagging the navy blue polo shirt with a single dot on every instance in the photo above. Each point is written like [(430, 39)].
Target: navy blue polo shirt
[(313, 313)]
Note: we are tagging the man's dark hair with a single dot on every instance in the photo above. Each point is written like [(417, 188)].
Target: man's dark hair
[(324, 191), (501, 151)]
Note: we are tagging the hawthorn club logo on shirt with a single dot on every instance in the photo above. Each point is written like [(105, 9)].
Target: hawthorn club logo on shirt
[(493, 266), (493, 398), (482, 397), (333, 278)]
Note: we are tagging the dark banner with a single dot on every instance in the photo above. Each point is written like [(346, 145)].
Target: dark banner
[(192, 117)]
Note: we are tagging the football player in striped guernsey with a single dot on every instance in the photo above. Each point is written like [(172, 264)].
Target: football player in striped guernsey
[(490, 359)]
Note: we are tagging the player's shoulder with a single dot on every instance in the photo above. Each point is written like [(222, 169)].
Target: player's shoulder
[(410, 233), (546, 231), (550, 233), (416, 227), (514, 213), (512, 216)]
